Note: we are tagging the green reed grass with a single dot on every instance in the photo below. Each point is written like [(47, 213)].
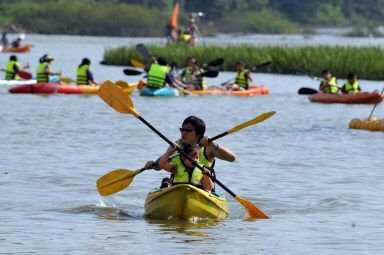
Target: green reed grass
[(366, 62)]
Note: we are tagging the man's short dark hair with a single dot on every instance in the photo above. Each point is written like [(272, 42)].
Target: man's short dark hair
[(198, 124)]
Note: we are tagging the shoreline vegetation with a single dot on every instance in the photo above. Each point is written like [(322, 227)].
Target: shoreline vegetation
[(148, 18), (366, 62)]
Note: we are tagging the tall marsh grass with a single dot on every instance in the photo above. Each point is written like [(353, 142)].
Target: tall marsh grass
[(366, 62)]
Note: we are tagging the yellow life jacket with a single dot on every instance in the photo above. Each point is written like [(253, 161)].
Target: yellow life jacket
[(190, 78), (10, 71), (186, 38), (202, 158), (351, 88), (42, 77), (82, 77), (241, 79), (157, 75), (332, 89), (183, 176)]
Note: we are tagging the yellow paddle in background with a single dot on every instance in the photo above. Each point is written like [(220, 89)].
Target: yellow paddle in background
[(122, 103), (119, 179), (137, 63), (65, 80)]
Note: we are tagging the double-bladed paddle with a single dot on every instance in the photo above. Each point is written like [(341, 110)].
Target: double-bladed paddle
[(117, 180), (122, 103)]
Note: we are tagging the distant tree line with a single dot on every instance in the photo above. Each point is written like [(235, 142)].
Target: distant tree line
[(149, 17)]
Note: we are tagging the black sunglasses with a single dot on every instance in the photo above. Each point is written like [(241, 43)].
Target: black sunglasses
[(188, 130)]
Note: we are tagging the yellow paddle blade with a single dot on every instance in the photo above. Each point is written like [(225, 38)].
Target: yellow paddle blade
[(66, 80), (115, 181), (116, 98), (252, 210), (127, 88), (137, 64), (256, 120)]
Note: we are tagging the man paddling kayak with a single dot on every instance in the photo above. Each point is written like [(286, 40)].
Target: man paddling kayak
[(351, 86), (243, 77), (328, 84), (12, 68), (191, 76), (160, 75), (84, 73), (192, 132), (44, 70)]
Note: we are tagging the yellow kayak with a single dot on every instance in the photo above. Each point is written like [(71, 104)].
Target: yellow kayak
[(185, 201)]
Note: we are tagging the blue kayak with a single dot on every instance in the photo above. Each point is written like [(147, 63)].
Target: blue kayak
[(162, 92)]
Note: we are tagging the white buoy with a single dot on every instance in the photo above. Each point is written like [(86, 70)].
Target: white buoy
[(22, 36)]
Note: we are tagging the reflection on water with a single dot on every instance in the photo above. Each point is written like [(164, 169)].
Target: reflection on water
[(194, 227)]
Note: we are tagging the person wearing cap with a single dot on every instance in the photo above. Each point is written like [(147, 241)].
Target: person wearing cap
[(243, 77), (160, 75), (12, 69), (193, 30), (84, 73), (44, 70)]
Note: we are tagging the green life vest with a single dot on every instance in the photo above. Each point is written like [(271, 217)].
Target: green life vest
[(241, 79), (156, 75), (351, 88), (42, 77), (186, 37), (332, 89), (183, 176), (10, 71), (82, 77), (190, 78)]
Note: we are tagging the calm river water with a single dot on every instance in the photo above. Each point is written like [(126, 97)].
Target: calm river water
[(320, 182)]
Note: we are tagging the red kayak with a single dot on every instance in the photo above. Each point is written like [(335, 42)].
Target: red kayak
[(52, 88), (357, 98)]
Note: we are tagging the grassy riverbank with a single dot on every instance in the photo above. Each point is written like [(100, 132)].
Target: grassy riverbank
[(367, 62)]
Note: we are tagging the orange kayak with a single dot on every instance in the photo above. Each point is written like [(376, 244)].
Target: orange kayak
[(253, 90), (357, 98), (25, 49)]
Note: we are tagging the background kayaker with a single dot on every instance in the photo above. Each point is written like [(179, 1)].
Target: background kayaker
[(160, 75), (351, 86), (169, 32), (84, 73), (4, 41), (183, 170), (190, 76), (193, 30), (243, 77), (328, 84), (16, 43), (44, 70), (12, 68)]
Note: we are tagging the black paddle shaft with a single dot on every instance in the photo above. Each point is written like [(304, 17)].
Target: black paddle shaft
[(186, 155)]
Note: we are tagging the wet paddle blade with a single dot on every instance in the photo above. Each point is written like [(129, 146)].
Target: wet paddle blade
[(307, 91), (210, 73), (127, 88), (216, 62), (115, 181), (143, 50), (116, 98), (254, 121), (137, 64), (24, 75), (131, 72), (251, 209)]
